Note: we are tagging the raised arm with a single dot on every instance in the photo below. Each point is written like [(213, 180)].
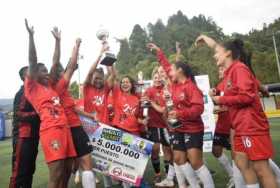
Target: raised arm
[(32, 55), (56, 56), (178, 51), (71, 67), (94, 66), (112, 76), (203, 39), (161, 58)]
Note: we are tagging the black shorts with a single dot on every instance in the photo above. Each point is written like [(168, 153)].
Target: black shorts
[(159, 135), (222, 140), (185, 141), (81, 141)]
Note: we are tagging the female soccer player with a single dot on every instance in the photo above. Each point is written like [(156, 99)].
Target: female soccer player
[(252, 141), (186, 140), (126, 108), (156, 124), (55, 134), (61, 80), (222, 131), (167, 151), (96, 90)]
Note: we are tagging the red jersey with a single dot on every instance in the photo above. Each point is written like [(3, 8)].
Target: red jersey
[(95, 101), (156, 95), (126, 108), (80, 103), (47, 104), (68, 103), (241, 96), (223, 123), (187, 99)]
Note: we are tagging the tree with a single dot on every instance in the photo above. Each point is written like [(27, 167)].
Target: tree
[(137, 42), (74, 89), (124, 57), (133, 55)]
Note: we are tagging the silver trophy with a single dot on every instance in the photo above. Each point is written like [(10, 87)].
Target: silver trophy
[(144, 104), (109, 57), (171, 122)]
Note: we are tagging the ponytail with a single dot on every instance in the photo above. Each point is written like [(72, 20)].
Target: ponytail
[(238, 52), (187, 71)]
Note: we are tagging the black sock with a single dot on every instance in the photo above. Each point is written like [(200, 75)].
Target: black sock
[(156, 165), (166, 166)]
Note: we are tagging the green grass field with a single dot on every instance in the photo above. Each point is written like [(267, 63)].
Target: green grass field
[(41, 175)]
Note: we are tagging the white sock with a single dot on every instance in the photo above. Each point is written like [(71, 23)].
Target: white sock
[(77, 177), (239, 181), (190, 175), (88, 179), (224, 161), (253, 186), (205, 176), (180, 176), (275, 170), (171, 172)]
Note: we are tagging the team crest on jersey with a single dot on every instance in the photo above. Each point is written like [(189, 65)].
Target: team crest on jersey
[(55, 145), (56, 101), (98, 100), (129, 109), (182, 96), (229, 83)]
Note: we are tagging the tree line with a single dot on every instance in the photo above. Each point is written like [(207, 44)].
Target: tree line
[(133, 55)]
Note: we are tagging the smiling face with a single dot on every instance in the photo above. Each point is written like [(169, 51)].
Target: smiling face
[(42, 74), (221, 55), (162, 73), (126, 85), (175, 73), (157, 81), (98, 80)]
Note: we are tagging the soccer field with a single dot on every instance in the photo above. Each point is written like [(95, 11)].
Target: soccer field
[(41, 175)]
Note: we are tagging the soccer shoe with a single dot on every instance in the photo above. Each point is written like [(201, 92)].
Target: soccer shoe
[(165, 183), (230, 183)]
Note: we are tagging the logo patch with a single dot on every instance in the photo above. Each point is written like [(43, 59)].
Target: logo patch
[(55, 145), (187, 138), (56, 101), (229, 83), (182, 96), (117, 171), (98, 100)]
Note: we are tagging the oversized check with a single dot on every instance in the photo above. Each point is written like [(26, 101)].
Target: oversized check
[(117, 153), (208, 118)]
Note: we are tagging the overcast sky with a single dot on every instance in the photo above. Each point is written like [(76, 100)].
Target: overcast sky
[(83, 18)]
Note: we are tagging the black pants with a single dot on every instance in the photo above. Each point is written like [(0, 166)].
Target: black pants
[(25, 152)]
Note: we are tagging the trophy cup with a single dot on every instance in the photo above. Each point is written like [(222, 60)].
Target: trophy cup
[(144, 104), (108, 58), (171, 122)]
